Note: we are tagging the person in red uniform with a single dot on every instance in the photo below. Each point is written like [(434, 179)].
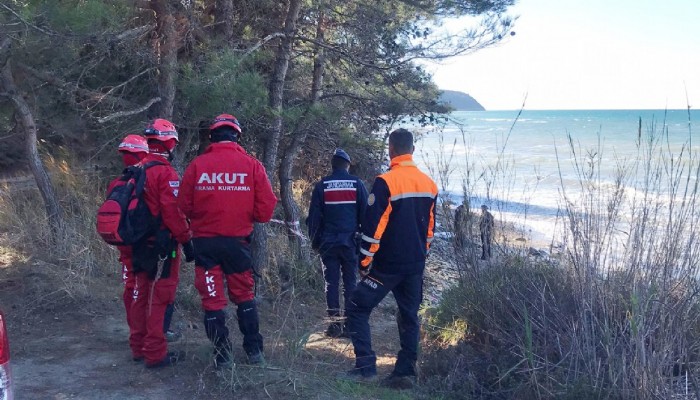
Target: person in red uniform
[(133, 149), (156, 260), (224, 191)]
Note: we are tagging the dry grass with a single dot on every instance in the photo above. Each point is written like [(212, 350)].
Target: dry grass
[(78, 252), (615, 316), (80, 272)]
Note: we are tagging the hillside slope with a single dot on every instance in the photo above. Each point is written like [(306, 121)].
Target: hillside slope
[(460, 101)]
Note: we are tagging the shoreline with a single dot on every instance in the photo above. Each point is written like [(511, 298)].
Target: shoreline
[(511, 233)]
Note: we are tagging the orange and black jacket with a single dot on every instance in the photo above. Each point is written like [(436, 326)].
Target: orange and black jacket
[(398, 223)]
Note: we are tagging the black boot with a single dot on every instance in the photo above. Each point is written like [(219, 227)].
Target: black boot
[(250, 328), (223, 355), (170, 359), (337, 330), (217, 332)]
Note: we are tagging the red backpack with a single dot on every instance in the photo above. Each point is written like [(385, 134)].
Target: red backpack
[(124, 217)]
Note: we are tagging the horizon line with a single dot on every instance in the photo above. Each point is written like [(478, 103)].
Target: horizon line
[(582, 109)]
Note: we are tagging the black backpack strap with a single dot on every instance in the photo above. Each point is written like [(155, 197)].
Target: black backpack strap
[(141, 181), (152, 164)]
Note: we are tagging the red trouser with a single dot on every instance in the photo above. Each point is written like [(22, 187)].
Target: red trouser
[(147, 312), (128, 279), (210, 285)]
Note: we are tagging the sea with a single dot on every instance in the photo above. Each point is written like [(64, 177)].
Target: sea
[(522, 163)]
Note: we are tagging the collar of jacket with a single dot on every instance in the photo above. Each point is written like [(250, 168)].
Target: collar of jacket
[(155, 157), (340, 171), (404, 160), (224, 146)]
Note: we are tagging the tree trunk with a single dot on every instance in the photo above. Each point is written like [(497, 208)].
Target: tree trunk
[(223, 15), (290, 207), (271, 143), (319, 62), (167, 45), (203, 136), (276, 89), (26, 119)]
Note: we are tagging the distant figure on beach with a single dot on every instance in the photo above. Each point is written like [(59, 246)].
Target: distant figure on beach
[(486, 229), (461, 225)]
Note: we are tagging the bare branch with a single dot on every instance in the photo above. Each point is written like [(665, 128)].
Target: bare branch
[(121, 114), (3, 94), (13, 12), (74, 89), (147, 70), (343, 53), (262, 42), (5, 50), (346, 95), (133, 32)]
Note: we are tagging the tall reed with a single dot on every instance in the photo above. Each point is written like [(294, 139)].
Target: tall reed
[(614, 316)]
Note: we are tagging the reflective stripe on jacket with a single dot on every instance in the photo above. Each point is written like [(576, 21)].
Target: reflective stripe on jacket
[(398, 225), (337, 205)]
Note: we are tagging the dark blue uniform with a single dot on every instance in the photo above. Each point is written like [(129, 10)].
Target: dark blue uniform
[(337, 203), (397, 230)]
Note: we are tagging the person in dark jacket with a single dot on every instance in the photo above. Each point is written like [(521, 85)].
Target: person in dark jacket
[(337, 204), (224, 191), (486, 229), (397, 229)]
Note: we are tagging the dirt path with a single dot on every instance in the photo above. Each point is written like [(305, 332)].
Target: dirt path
[(78, 356), (67, 344)]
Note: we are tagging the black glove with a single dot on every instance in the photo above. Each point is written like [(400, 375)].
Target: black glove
[(364, 271), (188, 249)]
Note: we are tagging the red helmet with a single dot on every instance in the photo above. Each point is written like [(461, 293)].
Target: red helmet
[(161, 129), (226, 120), (133, 144)]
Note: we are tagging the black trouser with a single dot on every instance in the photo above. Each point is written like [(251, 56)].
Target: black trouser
[(337, 260), (485, 245), (408, 292)]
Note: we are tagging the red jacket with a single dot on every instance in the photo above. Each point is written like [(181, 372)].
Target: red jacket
[(224, 191), (160, 194)]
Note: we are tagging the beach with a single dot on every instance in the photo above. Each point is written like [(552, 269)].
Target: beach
[(524, 164)]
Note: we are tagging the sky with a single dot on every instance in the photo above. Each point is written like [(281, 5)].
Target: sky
[(586, 54)]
